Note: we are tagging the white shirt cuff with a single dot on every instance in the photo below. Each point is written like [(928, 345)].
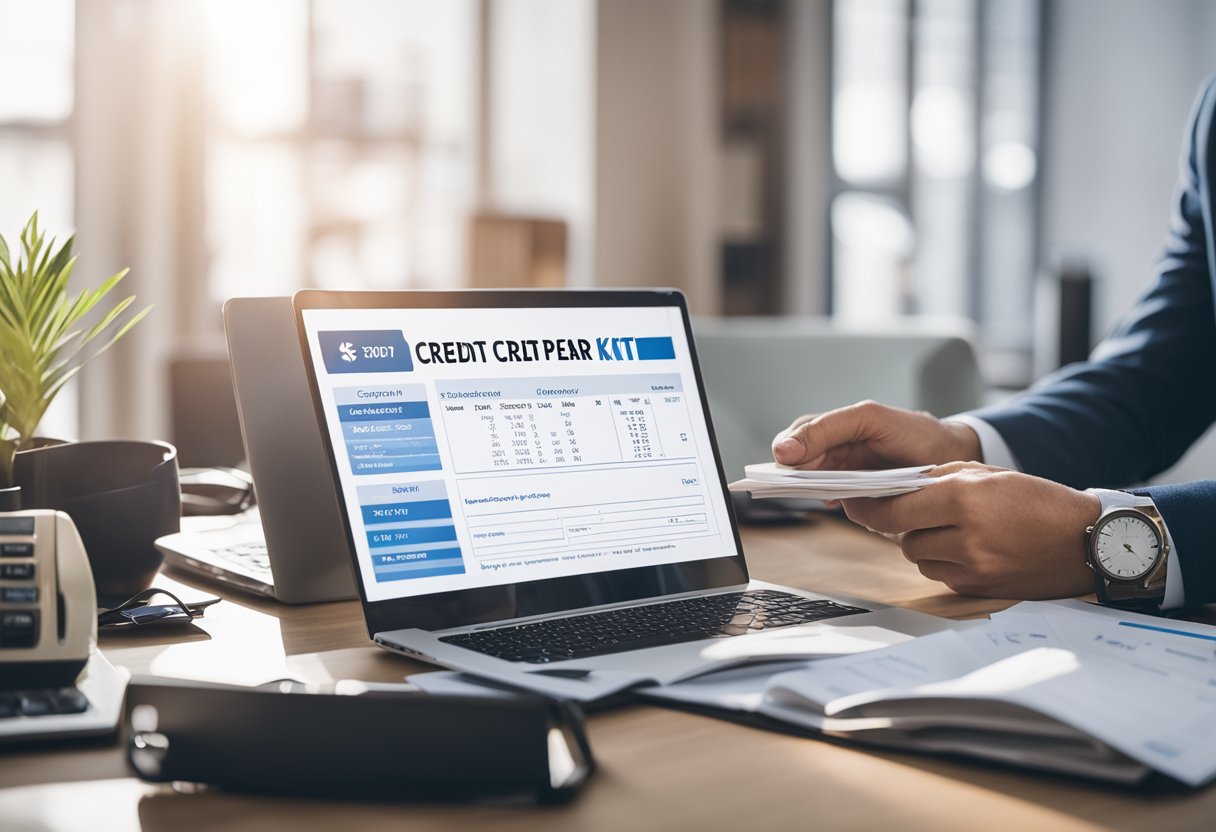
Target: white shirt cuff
[(992, 445), (1175, 592)]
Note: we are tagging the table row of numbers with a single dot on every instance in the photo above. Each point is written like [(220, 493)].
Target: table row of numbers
[(584, 430)]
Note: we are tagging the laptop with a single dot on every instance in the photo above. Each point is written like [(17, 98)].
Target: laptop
[(291, 546), (531, 491)]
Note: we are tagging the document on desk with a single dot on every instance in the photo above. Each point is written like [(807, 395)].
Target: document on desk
[(771, 479), (1060, 686), (779, 645)]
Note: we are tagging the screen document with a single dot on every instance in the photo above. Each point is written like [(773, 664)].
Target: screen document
[(478, 447)]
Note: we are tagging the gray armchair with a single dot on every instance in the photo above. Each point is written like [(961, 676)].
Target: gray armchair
[(760, 373)]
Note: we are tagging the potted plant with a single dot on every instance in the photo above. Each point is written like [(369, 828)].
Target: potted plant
[(45, 338)]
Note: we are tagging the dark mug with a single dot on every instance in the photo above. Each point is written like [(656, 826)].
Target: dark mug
[(121, 494)]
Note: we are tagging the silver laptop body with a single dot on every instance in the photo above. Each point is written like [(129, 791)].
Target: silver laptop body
[(483, 483), (291, 546)]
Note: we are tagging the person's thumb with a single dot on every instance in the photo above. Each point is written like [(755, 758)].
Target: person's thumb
[(806, 443)]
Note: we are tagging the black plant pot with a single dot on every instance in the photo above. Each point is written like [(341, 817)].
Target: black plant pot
[(10, 498), (121, 494)]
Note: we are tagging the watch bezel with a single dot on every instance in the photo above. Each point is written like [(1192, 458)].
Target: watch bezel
[(1102, 522)]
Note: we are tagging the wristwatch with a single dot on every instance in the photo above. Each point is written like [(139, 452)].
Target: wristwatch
[(1127, 548)]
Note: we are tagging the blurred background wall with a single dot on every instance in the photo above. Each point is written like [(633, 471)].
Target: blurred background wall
[(867, 160)]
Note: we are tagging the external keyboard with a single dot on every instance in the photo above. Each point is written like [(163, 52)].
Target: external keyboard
[(649, 625)]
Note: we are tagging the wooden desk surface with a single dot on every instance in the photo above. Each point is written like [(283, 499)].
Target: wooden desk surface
[(659, 769)]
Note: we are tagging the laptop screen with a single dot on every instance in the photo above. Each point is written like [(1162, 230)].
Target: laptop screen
[(486, 446)]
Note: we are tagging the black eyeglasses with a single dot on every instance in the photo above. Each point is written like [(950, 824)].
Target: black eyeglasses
[(137, 611)]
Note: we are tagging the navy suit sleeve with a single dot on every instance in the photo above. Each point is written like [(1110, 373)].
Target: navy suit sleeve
[(1149, 390), (1189, 511)]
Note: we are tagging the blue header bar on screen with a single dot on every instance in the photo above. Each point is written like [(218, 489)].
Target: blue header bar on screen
[(365, 351)]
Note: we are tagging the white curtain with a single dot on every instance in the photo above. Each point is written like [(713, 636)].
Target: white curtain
[(139, 197)]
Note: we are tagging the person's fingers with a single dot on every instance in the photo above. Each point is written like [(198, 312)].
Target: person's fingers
[(961, 467), (940, 555), (943, 543), (947, 572), (783, 448), (805, 443), (929, 508), (794, 425), (950, 555)]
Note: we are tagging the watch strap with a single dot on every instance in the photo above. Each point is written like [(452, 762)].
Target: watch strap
[(1130, 596), (1110, 498)]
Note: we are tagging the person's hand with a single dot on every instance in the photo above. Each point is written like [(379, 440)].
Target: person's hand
[(871, 435), (989, 531)]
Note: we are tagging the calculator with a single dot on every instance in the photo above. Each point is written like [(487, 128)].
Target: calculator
[(53, 681)]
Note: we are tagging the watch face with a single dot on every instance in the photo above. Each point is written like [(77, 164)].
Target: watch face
[(1127, 546)]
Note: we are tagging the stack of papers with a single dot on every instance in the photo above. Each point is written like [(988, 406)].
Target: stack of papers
[(771, 479), (1061, 686)]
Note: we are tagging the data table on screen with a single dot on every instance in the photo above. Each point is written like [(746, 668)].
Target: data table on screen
[(535, 456)]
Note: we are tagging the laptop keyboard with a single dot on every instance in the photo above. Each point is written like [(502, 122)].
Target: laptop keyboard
[(649, 625), (249, 556)]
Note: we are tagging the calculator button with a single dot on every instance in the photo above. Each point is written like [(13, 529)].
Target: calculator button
[(19, 594), (69, 701), (19, 629), (17, 571), (35, 704), (16, 525), (16, 550)]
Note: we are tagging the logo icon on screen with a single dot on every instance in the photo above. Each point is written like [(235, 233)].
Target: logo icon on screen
[(364, 351)]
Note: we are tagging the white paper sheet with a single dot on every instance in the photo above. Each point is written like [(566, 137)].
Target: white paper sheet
[(1127, 681), (770, 479)]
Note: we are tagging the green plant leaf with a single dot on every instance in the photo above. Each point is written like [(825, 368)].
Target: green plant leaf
[(63, 255), (71, 371), (109, 317), (58, 285), (47, 335)]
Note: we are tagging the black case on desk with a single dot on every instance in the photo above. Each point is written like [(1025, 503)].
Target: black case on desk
[(394, 746)]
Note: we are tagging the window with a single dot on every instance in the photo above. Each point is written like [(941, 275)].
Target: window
[(37, 45), (934, 146), (37, 165), (339, 143)]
